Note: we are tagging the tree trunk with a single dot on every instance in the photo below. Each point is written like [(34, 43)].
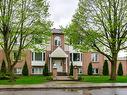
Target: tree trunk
[(12, 78), (113, 70), (10, 68)]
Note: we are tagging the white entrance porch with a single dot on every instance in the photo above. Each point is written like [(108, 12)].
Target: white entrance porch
[(58, 58)]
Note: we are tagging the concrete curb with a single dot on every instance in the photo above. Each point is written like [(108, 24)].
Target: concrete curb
[(51, 88)]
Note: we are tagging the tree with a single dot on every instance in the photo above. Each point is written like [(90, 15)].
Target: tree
[(45, 70), (90, 69), (3, 68), (25, 71), (105, 68), (21, 22), (71, 69), (120, 70), (100, 25)]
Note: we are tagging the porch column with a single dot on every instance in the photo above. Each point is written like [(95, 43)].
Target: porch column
[(66, 65), (50, 64)]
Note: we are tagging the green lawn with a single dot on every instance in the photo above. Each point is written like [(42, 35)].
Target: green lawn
[(103, 79), (27, 80)]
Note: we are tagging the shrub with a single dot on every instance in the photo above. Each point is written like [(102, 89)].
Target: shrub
[(71, 69), (120, 70), (3, 68), (25, 70), (4, 77), (105, 68), (89, 70), (45, 70)]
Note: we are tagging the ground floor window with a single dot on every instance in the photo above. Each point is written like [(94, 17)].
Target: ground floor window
[(95, 70), (18, 70), (80, 70), (37, 70)]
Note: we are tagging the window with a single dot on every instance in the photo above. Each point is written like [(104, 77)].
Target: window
[(57, 41), (43, 56), (16, 54), (32, 56), (81, 57), (80, 70), (70, 56), (94, 57), (18, 70), (37, 70), (38, 56), (95, 70), (76, 56)]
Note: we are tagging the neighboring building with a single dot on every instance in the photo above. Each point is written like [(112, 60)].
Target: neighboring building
[(60, 55)]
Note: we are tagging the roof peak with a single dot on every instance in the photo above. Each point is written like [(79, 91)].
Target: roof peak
[(54, 30), (58, 53)]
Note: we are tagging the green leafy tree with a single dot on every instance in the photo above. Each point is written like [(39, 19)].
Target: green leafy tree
[(25, 71), (71, 69), (105, 68), (90, 69), (3, 68), (45, 70), (21, 22), (100, 25), (120, 70)]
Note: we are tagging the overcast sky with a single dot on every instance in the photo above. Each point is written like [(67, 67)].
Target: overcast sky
[(62, 11)]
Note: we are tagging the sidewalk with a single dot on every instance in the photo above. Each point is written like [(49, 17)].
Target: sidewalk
[(63, 85)]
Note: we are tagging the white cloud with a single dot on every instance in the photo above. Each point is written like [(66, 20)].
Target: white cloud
[(62, 11)]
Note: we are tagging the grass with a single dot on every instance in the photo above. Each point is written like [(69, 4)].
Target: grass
[(27, 80), (103, 79)]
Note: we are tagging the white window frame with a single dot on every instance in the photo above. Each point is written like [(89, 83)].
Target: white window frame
[(94, 57), (94, 71), (79, 56), (37, 70), (18, 70), (58, 39), (33, 56)]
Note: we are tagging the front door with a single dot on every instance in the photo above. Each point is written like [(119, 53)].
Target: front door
[(58, 64)]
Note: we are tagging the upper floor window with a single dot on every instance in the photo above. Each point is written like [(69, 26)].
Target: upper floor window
[(38, 56), (94, 57), (76, 56), (70, 56), (57, 41), (15, 55)]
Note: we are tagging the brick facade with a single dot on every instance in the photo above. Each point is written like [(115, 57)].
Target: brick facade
[(62, 62)]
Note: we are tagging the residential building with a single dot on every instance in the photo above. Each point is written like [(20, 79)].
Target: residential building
[(60, 55)]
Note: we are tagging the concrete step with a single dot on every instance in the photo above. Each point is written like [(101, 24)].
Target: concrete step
[(61, 74), (63, 78)]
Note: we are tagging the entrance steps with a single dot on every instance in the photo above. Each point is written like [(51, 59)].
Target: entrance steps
[(63, 78), (61, 74)]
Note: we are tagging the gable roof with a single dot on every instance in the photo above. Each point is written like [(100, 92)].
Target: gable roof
[(58, 53), (56, 30)]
